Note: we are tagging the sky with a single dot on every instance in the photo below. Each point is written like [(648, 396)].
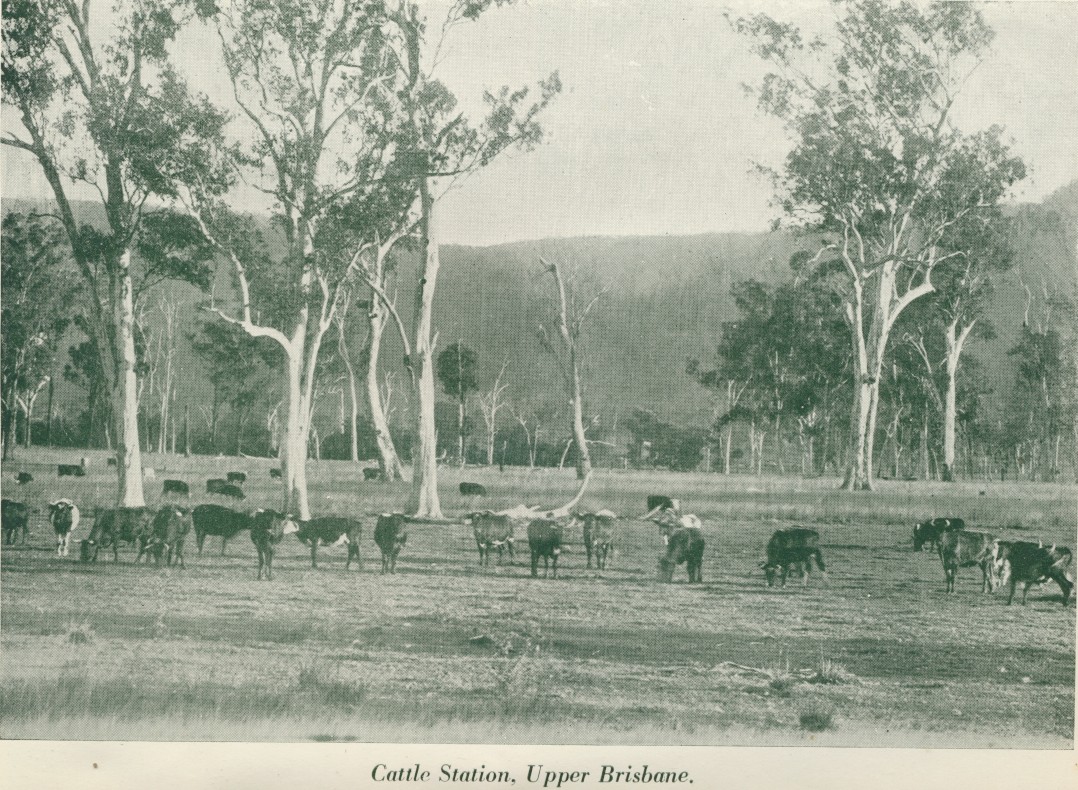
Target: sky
[(653, 134)]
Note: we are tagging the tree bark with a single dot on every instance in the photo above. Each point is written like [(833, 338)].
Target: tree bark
[(353, 395), (955, 341), (125, 388)]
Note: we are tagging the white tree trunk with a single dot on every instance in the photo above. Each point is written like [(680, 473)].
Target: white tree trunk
[(388, 460), (955, 342), (125, 389)]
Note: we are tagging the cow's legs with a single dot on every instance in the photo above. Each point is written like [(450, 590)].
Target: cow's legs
[(314, 552), (224, 542), (535, 564), (1013, 583), (353, 551), (554, 562)]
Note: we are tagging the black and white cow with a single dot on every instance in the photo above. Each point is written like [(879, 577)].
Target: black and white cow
[(268, 527), (1030, 563), (492, 532), (684, 545), (64, 517), (929, 532), (113, 526), (390, 535), (599, 530), (332, 531)]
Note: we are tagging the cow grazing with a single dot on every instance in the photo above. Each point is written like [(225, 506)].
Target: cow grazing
[(929, 532), (670, 520), (14, 518), (662, 502), (224, 488), (1030, 563), (685, 545), (391, 533), (175, 487), (218, 520), (167, 534), (598, 531), (332, 531), (965, 549), (492, 531), (113, 526), (472, 489), (236, 477), (70, 470), (267, 529), (22, 478), (544, 540), (275, 474), (372, 473), (64, 516), (792, 547)]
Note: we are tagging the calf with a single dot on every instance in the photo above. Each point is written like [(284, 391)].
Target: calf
[(70, 470), (372, 473), (492, 531), (175, 487), (22, 478), (930, 531), (796, 546), (168, 531), (218, 520), (64, 516), (236, 477), (332, 530), (598, 530), (14, 518), (544, 540), (964, 549), (224, 488), (472, 489), (685, 545), (267, 529), (275, 474), (1029, 563), (113, 526), (391, 533)]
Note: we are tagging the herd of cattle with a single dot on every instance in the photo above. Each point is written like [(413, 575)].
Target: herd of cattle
[(162, 533)]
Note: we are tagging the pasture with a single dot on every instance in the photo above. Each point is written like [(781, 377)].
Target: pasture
[(447, 651)]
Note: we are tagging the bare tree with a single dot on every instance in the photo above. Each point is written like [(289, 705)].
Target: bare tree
[(489, 404)]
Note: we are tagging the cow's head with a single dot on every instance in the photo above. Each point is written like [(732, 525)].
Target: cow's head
[(771, 572), (289, 526), (86, 549), (918, 538)]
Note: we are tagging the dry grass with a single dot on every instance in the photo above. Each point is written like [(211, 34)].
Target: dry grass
[(447, 651)]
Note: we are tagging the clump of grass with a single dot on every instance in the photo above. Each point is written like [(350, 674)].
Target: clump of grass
[(327, 681), (518, 671), (81, 633), (782, 679), (816, 719), (832, 673)]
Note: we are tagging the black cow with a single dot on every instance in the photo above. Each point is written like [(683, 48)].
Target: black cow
[(22, 478), (14, 518), (686, 545), (64, 517), (1030, 563), (792, 547), (237, 477), (598, 531), (113, 526), (275, 474), (224, 488), (670, 520), (332, 531), (218, 520), (492, 531), (372, 473), (544, 540), (267, 529), (168, 532), (70, 470), (175, 487), (662, 502), (930, 531), (964, 549), (391, 533), (472, 489), (110, 461)]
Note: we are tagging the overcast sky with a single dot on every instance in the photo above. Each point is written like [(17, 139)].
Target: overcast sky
[(653, 134)]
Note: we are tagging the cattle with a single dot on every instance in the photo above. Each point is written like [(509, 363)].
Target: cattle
[(113, 526), (167, 534), (22, 478), (267, 529), (472, 489), (792, 547), (660, 502), (64, 517), (685, 545), (492, 531), (236, 477), (275, 474), (224, 488), (544, 540), (14, 518), (218, 520), (929, 532), (175, 487), (372, 473), (70, 470), (332, 531), (110, 462), (598, 534), (670, 520), (965, 549), (1030, 563), (390, 534)]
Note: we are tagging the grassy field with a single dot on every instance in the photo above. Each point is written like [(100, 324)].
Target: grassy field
[(446, 651)]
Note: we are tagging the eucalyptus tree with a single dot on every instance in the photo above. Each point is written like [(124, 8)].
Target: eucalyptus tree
[(102, 110), (878, 171), (457, 371)]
